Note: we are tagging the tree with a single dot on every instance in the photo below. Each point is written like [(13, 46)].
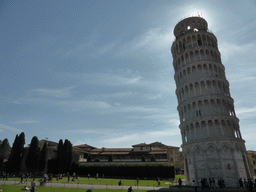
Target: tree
[(60, 157), (68, 155), (4, 151), (143, 159), (89, 158), (16, 155), (152, 158), (42, 161), (110, 158), (33, 155)]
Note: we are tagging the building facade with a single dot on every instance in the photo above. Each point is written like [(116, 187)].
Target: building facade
[(161, 153), (252, 160), (212, 143)]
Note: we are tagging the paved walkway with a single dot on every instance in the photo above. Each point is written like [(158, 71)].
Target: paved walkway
[(85, 186), (149, 188)]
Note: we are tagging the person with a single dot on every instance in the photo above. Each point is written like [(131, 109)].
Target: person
[(158, 181), (26, 177), (210, 182), (250, 185), (245, 183), (207, 187), (50, 177), (25, 188), (213, 182), (68, 177), (180, 182), (120, 183), (33, 185), (97, 175), (137, 180), (130, 189), (195, 185), (45, 180), (88, 176), (21, 178), (240, 182)]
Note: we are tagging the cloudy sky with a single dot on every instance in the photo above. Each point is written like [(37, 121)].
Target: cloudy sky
[(100, 72)]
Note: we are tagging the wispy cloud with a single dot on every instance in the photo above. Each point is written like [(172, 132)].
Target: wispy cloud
[(111, 79), (139, 137), (25, 122), (107, 48), (154, 39), (9, 128), (132, 137), (230, 49), (85, 104), (246, 110), (54, 92), (164, 133)]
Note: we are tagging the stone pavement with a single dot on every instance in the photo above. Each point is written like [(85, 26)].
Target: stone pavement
[(135, 188), (85, 186)]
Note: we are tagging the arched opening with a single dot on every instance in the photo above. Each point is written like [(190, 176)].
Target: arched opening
[(199, 41), (191, 55), (197, 55)]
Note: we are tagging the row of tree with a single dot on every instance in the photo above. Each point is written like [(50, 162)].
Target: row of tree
[(17, 151), (64, 156), (36, 157), (64, 160)]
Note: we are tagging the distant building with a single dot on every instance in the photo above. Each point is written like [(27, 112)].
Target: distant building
[(162, 153), (252, 160)]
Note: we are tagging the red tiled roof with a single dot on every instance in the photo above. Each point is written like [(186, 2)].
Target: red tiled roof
[(85, 146), (140, 145)]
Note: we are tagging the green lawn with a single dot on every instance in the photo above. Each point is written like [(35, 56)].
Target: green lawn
[(179, 176), (100, 181), (15, 188)]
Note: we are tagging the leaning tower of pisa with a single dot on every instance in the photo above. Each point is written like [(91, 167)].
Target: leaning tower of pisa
[(212, 143)]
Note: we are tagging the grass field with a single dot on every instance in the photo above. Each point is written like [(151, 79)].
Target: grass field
[(15, 188), (100, 181)]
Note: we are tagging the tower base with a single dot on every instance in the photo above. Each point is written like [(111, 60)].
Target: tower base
[(219, 159)]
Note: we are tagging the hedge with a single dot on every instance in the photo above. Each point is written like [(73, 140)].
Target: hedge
[(147, 170)]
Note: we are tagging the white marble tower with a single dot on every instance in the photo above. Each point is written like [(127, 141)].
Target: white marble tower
[(212, 143)]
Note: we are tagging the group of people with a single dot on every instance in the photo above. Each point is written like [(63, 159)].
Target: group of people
[(22, 178), (207, 184), (247, 183)]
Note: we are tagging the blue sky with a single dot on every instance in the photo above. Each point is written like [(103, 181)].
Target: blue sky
[(100, 72)]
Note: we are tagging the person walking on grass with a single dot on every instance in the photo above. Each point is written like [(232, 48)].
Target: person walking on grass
[(158, 181), (180, 182), (33, 185)]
